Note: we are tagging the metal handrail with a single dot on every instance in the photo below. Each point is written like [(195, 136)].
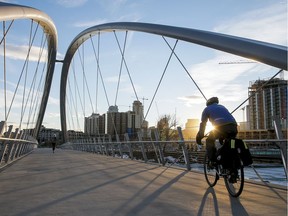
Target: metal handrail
[(12, 149), (109, 148)]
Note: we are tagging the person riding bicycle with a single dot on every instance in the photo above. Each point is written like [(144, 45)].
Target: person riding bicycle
[(225, 126)]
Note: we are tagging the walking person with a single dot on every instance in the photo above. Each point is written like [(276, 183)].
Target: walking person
[(53, 146), (54, 143)]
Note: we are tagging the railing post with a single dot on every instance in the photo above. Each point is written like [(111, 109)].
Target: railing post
[(282, 146), (94, 144), (111, 144), (126, 136), (139, 133), (184, 149), (4, 155), (19, 145), (2, 126), (100, 145), (106, 145), (14, 145), (119, 145), (161, 155)]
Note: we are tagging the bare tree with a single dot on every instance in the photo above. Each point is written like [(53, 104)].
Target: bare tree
[(167, 128)]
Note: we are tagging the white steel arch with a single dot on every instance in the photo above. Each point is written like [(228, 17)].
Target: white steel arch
[(267, 53), (14, 12)]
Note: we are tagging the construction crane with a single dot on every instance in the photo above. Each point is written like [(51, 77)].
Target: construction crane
[(143, 99)]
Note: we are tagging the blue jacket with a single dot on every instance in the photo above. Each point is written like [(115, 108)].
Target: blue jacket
[(218, 115)]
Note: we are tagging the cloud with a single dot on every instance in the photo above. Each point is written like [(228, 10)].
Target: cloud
[(230, 80), (134, 17), (54, 101), (190, 100), (113, 5), (71, 3), (91, 23), (115, 79), (265, 24), (20, 52)]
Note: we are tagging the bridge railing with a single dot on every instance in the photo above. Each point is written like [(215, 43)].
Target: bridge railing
[(154, 151), (14, 149), (183, 152)]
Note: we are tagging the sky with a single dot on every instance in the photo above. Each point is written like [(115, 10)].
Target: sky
[(147, 55)]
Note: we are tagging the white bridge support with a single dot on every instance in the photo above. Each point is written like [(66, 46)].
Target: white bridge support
[(267, 53), (9, 12)]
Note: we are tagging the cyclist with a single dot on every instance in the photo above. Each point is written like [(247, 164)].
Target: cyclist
[(225, 126)]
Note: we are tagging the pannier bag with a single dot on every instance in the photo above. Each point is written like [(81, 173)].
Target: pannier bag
[(229, 151)]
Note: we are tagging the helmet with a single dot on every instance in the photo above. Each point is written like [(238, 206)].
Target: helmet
[(212, 100)]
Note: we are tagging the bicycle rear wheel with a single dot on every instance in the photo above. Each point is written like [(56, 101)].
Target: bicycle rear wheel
[(234, 182), (211, 174)]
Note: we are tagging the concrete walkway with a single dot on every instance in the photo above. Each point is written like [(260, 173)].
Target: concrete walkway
[(78, 183)]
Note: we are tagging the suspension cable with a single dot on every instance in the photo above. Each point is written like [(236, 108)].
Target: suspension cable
[(77, 90), (41, 80), (33, 84), (185, 69), (18, 83), (122, 53), (5, 32), (26, 72), (171, 54), (73, 105), (100, 73), (97, 75), (85, 83), (4, 74), (75, 102), (121, 66)]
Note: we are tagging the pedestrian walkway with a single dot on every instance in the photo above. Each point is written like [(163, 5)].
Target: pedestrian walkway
[(78, 183)]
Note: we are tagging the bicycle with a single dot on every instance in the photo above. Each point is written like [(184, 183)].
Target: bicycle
[(233, 174)]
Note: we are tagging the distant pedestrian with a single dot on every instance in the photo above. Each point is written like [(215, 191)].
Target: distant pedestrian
[(53, 146), (54, 143)]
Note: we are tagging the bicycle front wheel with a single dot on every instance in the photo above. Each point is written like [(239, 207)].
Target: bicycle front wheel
[(211, 174), (234, 182)]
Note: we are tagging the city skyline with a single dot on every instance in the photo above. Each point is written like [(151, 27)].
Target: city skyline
[(213, 71)]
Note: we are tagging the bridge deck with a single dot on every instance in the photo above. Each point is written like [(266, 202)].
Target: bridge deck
[(78, 183)]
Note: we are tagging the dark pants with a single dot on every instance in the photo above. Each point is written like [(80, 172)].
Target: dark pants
[(221, 133), (53, 146)]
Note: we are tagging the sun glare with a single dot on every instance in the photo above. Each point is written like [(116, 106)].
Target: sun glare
[(209, 127)]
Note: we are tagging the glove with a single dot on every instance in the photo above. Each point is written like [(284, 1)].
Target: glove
[(199, 138)]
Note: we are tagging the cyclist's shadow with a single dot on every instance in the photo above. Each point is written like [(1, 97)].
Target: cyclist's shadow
[(236, 206)]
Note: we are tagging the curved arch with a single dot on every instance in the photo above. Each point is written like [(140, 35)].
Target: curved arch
[(267, 53), (12, 11)]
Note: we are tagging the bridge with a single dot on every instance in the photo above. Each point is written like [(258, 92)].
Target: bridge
[(30, 172), (79, 183)]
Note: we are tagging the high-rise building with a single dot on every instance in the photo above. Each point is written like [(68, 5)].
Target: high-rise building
[(116, 122), (139, 114), (191, 129), (130, 123), (266, 103), (94, 125)]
